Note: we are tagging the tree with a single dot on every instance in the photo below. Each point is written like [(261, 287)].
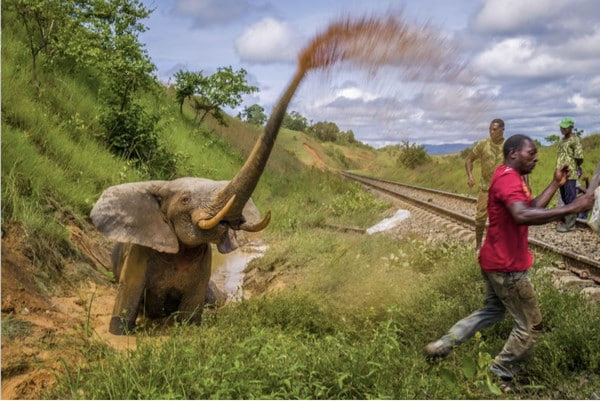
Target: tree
[(295, 121), (223, 88), (326, 131), (412, 155), (552, 138), (42, 21), (254, 114), (186, 85), (348, 136)]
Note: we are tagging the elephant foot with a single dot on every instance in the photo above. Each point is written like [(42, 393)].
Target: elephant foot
[(214, 295), (120, 326)]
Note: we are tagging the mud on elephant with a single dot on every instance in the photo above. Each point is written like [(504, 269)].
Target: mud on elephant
[(164, 230)]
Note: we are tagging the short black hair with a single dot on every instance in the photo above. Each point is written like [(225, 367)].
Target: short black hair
[(497, 120), (515, 142)]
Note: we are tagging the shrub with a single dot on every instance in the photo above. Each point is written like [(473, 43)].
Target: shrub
[(132, 133), (412, 155)]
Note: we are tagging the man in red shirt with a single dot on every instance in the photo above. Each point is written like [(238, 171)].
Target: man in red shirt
[(505, 258)]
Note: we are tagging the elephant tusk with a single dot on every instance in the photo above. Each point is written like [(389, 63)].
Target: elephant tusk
[(258, 226), (210, 223)]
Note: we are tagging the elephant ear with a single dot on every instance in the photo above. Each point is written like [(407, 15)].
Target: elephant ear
[(132, 213)]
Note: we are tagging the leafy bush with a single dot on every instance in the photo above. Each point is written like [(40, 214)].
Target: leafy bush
[(412, 155), (132, 134)]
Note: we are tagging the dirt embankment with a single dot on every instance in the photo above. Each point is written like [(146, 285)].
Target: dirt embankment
[(42, 331)]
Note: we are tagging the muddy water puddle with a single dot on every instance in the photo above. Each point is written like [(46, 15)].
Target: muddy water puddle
[(228, 269)]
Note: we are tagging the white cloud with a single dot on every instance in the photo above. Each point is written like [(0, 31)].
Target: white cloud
[(267, 41), (519, 56), (507, 15), (356, 93), (584, 104)]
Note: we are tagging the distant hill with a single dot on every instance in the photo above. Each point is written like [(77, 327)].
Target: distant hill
[(446, 148)]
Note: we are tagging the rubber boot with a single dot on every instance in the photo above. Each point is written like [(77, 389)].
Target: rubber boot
[(479, 236), (569, 224)]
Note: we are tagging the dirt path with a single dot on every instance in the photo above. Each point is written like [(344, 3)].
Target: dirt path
[(319, 163)]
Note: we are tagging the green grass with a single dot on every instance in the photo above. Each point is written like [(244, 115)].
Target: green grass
[(341, 334), (13, 327)]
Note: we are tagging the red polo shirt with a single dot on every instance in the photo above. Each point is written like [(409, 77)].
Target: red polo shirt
[(505, 248)]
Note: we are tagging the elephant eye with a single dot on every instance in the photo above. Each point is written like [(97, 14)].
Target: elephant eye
[(185, 199)]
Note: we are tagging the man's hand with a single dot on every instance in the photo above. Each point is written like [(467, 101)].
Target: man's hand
[(584, 202), (561, 175), (471, 182)]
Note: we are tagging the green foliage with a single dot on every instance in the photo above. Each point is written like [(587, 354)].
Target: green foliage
[(475, 372), (133, 135), (186, 85), (13, 327), (552, 139), (42, 21), (325, 131), (295, 121), (223, 88), (352, 328), (339, 156), (412, 155), (347, 137), (254, 114)]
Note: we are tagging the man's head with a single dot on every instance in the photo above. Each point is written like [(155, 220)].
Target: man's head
[(520, 153), (566, 126), (497, 130)]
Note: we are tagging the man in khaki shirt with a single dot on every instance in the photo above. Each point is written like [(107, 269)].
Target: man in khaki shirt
[(489, 153)]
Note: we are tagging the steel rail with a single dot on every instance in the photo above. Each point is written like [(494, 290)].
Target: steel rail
[(580, 222), (573, 257)]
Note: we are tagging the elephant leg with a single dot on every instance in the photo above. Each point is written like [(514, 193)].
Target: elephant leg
[(132, 282), (192, 302), (117, 259), (191, 306), (214, 295)]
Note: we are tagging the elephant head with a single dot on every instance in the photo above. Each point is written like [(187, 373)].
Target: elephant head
[(168, 215)]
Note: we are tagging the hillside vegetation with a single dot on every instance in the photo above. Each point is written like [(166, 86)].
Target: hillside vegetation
[(447, 172), (355, 310)]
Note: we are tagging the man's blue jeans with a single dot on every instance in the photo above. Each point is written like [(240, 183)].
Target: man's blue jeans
[(510, 292)]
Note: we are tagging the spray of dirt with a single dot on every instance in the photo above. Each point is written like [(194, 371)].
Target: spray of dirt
[(372, 42), (399, 59)]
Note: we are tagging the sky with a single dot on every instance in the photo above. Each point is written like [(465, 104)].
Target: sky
[(529, 62)]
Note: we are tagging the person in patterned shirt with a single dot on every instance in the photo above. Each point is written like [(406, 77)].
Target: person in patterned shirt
[(489, 153), (570, 153)]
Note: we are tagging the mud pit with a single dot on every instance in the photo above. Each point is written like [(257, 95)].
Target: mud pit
[(41, 332)]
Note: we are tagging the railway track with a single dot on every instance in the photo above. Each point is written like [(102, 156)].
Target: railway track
[(580, 249)]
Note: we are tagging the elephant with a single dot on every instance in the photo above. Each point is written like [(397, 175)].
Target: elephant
[(163, 230)]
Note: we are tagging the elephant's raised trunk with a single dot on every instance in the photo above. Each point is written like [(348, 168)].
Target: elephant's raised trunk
[(244, 183)]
